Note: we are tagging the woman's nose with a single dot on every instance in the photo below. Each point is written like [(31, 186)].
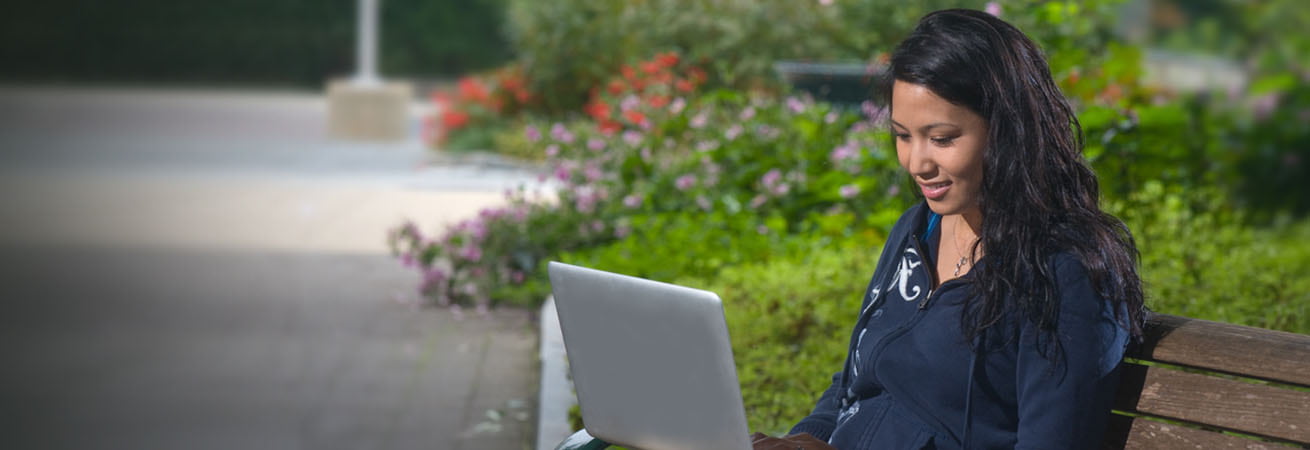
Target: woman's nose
[(921, 163)]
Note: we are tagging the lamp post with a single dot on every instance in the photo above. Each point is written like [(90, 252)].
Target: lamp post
[(366, 43), (363, 106)]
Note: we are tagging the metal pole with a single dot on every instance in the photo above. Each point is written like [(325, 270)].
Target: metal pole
[(366, 58)]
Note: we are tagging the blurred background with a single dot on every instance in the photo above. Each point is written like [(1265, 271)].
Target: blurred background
[(222, 229)]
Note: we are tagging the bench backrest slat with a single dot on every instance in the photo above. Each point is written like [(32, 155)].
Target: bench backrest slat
[(1129, 433), (1216, 402), (1252, 352)]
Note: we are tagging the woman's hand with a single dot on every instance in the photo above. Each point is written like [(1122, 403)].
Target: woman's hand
[(802, 441)]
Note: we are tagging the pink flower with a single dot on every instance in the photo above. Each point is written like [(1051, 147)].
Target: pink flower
[(705, 146), (597, 226), (471, 253), (704, 203), (993, 8), (830, 117), (849, 191), (732, 132), (758, 201), (771, 178), (552, 150), (595, 144), (781, 189), (629, 103), (762, 229), (532, 133), (699, 120), (844, 152), (632, 137), (632, 201), (677, 105), (645, 154), (516, 277), (873, 112), (585, 202), (407, 259), (562, 172), (685, 182), (747, 114), (795, 105), (432, 277), (1264, 105), (592, 172), (559, 133), (622, 231), (892, 191)]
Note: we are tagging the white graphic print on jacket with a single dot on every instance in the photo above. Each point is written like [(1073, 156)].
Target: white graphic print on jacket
[(902, 281)]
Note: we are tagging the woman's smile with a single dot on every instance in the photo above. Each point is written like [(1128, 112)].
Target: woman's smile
[(935, 191)]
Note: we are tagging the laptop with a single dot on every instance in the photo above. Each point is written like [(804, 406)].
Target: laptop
[(651, 362)]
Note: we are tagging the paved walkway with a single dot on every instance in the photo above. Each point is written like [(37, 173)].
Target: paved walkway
[(208, 270)]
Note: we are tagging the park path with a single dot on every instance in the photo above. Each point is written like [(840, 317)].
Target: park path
[(206, 269)]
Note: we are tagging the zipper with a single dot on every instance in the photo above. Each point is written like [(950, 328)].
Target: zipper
[(930, 266)]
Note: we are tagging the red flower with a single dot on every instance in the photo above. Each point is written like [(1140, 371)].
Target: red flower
[(684, 85), (634, 116), (452, 119), (651, 67), (609, 126), (628, 72), (616, 87), (471, 89), (662, 78), (511, 82), (658, 101), (697, 74), (598, 110), (667, 59), (522, 95)]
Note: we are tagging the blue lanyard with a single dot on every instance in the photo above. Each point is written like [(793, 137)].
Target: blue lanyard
[(933, 220)]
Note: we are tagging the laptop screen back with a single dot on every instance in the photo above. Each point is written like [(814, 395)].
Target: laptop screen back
[(651, 362)]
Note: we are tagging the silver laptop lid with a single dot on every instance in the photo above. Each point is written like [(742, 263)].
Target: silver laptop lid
[(651, 362)]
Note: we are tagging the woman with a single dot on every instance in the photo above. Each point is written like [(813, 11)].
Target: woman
[(1003, 303)]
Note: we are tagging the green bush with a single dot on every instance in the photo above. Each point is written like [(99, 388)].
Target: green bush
[(1200, 259), (569, 46), (790, 321)]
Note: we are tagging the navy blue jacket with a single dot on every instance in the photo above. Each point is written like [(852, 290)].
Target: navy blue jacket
[(911, 380)]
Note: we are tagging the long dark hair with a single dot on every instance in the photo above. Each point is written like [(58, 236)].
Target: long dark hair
[(1039, 197)]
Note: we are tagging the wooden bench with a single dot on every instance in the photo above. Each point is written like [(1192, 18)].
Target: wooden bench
[(1196, 384)]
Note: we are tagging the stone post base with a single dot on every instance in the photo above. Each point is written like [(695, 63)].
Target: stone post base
[(369, 112)]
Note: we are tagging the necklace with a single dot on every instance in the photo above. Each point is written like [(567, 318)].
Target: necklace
[(956, 240)]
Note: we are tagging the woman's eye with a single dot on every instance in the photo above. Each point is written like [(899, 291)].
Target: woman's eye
[(943, 141), (902, 136)]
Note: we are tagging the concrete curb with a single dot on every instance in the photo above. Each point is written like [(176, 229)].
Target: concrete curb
[(556, 396)]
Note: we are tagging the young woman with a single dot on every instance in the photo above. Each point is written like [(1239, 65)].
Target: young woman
[(1003, 303)]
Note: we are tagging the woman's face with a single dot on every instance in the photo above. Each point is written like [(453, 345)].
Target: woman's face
[(941, 145)]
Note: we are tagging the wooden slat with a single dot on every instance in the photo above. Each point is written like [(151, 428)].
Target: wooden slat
[(1254, 352), (1138, 433), (1217, 402)]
